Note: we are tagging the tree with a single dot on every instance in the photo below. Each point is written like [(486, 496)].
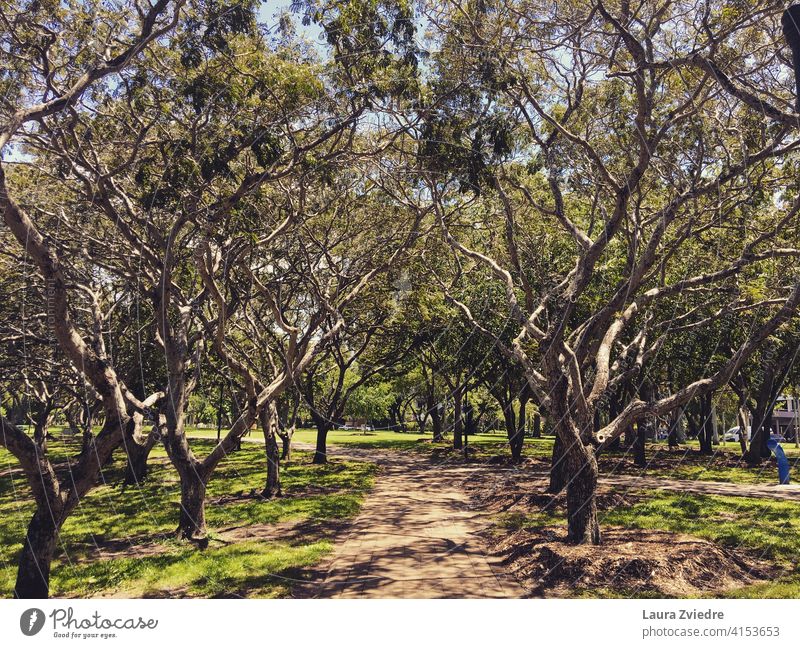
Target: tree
[(39, 93), (604, 125)]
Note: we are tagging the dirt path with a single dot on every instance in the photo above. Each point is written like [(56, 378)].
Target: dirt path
[(416, 537)]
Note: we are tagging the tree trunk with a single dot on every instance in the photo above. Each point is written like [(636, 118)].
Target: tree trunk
[(269, 425), (639, 455), (395, 414), (674, 424), (582, 525), (33, 572), (458, 422), (321, 451), (558, 468), (706, 432), (436, 423), (759, 435), (193, 480), (136, 466), (537, 426), (744, 422), (286, 444), (630, 436), (519, 442), (138, 454), (515, 429), (192, 522)]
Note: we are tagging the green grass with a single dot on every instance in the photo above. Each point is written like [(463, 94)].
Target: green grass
[(149, 514), (377, 439), (686, 464), (770, 529), (725, 465)]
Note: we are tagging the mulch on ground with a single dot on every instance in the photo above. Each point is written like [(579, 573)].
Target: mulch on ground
[(629, 562)]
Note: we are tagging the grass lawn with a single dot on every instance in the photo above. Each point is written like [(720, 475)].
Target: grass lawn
[(724, 466), (769, 528), (117, 542), (379, 439)]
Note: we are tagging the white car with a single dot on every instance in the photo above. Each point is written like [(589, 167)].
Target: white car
[(733, 434)]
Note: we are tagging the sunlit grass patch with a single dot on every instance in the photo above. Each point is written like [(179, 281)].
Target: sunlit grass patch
[(139, 522)]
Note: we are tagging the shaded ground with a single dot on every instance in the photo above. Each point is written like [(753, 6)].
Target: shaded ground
[(416, 537), (436, 527)]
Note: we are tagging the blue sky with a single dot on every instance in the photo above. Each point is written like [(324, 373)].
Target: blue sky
[(270, 11)]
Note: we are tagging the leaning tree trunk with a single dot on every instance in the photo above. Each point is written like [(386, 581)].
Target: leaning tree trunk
[(558, 468), (272, 488), (33, 572)]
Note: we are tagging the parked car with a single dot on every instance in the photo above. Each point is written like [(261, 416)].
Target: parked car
[(733, 434)]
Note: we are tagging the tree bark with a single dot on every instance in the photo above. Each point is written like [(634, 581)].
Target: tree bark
[(192, 521), (515, 428), (706, 432), (138, 452), (558, 468), (321, 450), (744, 422), (674, 424), (582, 524), (629, 436), (458, 422), (33, 572), (272, 488), (286, 444), (639, 454), (762, 423), (436, 423)]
